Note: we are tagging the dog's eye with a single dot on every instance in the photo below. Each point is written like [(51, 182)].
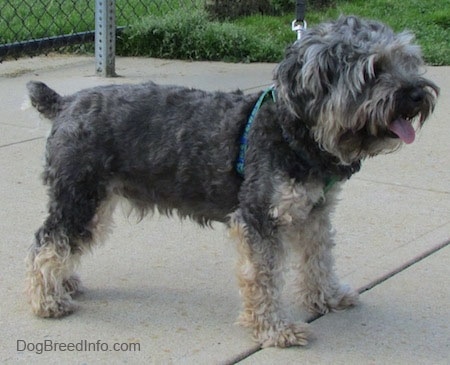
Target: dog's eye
[(372, 73), (377, 70)]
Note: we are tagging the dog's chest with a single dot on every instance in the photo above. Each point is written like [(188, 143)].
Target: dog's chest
[(292, 202)]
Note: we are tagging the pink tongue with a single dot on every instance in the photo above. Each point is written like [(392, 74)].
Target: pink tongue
[(403, 129)]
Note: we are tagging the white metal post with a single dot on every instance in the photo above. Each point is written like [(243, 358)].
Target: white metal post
[(105, 37)]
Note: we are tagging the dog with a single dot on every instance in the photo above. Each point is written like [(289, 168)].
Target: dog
[(269, 165)]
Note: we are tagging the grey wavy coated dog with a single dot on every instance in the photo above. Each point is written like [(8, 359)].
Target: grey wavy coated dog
[(349, 89)]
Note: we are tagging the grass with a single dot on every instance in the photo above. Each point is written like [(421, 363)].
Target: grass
[(21, 20), (174, 30), (429, 20), (29, 19)]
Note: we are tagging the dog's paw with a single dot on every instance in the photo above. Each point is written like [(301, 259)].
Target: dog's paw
[(275, 334), (283, 335), (50, 307), (345, 298), (73, 286), (342, 298)]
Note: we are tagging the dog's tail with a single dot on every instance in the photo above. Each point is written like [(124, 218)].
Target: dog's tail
[(47, 101)]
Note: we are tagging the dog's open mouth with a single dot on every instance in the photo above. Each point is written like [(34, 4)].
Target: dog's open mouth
[(403, 129)]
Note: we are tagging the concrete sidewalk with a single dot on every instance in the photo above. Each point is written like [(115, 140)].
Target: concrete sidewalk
[(165, 292)]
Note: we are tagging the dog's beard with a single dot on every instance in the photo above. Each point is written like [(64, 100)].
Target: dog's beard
[(382, 123)]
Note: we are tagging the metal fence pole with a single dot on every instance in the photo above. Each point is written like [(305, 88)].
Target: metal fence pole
[(105, 37)]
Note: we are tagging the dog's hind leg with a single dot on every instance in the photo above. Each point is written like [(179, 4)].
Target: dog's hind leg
[(79, 212), (50, 264), (260, 280)]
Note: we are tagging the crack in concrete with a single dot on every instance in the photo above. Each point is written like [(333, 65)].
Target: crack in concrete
[(20, 142), (253, 350)]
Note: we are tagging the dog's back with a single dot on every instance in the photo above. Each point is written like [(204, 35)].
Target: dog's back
[(161, 146)]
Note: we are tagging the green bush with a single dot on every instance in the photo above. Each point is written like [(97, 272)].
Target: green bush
[(192, 36)]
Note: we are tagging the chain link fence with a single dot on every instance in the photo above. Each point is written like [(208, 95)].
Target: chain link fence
[(31, 27)]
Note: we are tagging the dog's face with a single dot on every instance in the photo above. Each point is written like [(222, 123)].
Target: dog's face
[(357, 86)]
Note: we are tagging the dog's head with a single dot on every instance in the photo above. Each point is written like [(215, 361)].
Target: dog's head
[(357, 86)]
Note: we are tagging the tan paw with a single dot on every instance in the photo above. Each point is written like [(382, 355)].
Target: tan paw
[(284, 335)]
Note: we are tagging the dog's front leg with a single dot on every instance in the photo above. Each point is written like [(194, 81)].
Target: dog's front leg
[(319, 288), (260, 281)]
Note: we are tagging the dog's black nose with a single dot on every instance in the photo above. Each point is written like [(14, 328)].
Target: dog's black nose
[(417, 95)]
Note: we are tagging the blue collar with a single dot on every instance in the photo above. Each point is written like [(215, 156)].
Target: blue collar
[(240, 164)]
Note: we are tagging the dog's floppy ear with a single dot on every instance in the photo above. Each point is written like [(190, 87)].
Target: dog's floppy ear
[(305, 75), (286, 76)]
